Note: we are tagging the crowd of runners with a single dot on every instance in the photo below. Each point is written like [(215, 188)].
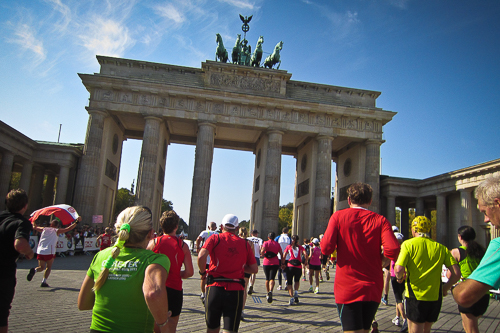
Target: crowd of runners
[(134, 283)]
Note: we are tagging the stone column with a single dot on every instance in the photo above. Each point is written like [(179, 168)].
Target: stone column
[(391, 209), (272, 181), (419, 206), (62, 185), (465, 206), (5, 175), (147, 175), (372, 171), (405, 220), (441, 224), (48, 193), (25, 180), (204, 154), (35, 195), (322, 195)]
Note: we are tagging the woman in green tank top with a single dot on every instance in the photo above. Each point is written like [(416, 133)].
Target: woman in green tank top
[(468, 256)]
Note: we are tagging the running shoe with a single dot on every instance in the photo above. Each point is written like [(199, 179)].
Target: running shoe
[(296, 299), (316, 290), (327, 274), (250, 290), (292, 300), (303, 279), (385, 301), (269, 297), (44, 285), (404, 327), (31, 274), (279, 287), (311, 289), (396, 321), (242, 316), (202, 298), (321, 279)]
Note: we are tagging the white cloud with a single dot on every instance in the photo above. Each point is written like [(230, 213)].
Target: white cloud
[(106, 37), (240, 3), (402, 4), (24, 36), (65, 11), (169, 12)]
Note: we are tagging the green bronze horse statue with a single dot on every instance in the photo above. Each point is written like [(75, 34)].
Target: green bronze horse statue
[(257, 54), (274, 58), (221, 51), (235, 56)]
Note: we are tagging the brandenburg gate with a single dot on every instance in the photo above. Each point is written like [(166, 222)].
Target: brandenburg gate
[(228, 106)]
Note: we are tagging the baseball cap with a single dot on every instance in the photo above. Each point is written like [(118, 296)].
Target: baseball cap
[(399, 236), (395, 229), (255, 231), (316, 241), (421, 224), (230, 221)]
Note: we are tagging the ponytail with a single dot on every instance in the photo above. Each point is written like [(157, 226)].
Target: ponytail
[(295, 241), (468, 234)]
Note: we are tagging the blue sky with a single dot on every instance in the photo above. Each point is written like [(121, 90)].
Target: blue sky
[(435, 62)]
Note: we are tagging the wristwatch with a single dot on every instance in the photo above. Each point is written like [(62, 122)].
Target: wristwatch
[(205, 272)]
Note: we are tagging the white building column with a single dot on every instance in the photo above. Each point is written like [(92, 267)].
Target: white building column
[(466, 207), (62, 185), (204, 154), (391, 209), (5, 175), (441, 223), (25, 180), (48, 192), (322, 199), (86, 185), (419, 206), (272, 180), (35, 195), (372, 171)]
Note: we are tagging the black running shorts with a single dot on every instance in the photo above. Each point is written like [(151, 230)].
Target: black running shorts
[(175, 298), (222, 303), (357, 315), (270, 271)]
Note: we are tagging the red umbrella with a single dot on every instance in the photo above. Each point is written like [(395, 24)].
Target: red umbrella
[(65, 213)]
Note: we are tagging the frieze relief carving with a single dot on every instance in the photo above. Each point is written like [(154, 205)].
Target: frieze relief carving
[(107, 95), (126, 98), (241, 82), (162, 101), (145, 100)]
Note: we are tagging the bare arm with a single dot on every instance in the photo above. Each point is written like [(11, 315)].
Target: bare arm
[(454, 277), (23, 246), (198, 241), (400, 273), (155, 293), (469, 292), (251, 269), (37, 228), (188, 263), (151, 245), (86, 297), (71, 227)]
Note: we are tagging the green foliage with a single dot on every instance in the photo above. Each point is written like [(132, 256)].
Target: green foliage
[(245, 224), (166, 205), (285, 217), (15, 180), (124, 198)]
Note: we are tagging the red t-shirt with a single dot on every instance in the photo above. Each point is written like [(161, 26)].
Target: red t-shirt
[(105, 241), (358, 235), (171, 246), (228, 255), (272, 246)]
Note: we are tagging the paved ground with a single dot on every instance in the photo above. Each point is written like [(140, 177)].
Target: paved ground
[(54, 309)]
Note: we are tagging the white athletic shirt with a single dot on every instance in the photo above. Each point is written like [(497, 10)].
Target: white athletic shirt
[(257, 243), (284, 240), (205, 234), (48, 241)]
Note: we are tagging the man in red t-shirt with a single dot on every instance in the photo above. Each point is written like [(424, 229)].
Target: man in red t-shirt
[(358, 235), (230, 257), (105, 239)]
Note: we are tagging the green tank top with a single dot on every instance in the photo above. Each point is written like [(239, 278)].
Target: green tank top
[(468, 264)]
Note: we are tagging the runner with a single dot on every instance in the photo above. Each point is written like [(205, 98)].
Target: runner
[(231, 258), (283, 240), (315, 265), (105, 239), (420, 263), (294, 268), (257, 243), (398, 289), (270, 251), (202, 238), (243, 233), (468, 256), (306, 244), (46, 251), (178, 253)]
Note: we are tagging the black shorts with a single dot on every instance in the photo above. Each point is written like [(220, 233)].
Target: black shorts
[(398, 289), (270, 271), (293, 273), (175, 298), (357, 316), (6, 296), (314, 267), (228, 304), (477, 309), (324, 260), (247, 275), (423, 311)]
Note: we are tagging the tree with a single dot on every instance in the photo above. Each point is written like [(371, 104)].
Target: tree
[(166, 205), (245, 224), (124, 198), (285, 216)]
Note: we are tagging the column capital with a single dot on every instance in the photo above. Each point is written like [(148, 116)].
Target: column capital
[(206, 123), (324, 137), (146, 117), (101, 112), (274, 131), (374, 142)]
